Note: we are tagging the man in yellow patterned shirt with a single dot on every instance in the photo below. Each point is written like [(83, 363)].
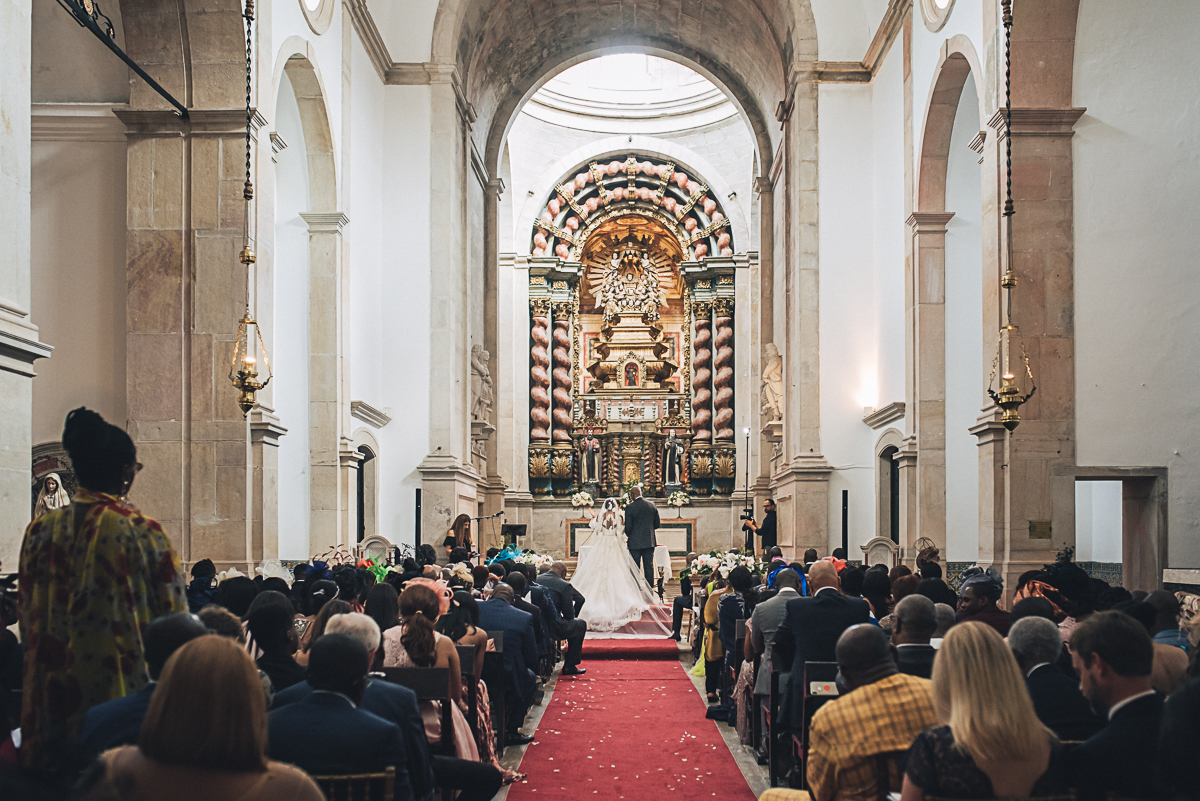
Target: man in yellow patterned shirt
[(882, 714)]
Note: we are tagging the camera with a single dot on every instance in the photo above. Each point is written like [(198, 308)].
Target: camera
[(747, 514)]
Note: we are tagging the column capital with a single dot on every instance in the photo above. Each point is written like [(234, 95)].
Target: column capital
[(325, 222), (1038, 121), (929, 222), (764, 185), (265, 427), (495, 186)]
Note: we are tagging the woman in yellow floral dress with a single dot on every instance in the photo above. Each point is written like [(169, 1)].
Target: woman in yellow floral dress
[(92, 575)]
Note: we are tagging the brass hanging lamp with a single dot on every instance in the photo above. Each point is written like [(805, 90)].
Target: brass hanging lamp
[(1010, 395), (243, 371)]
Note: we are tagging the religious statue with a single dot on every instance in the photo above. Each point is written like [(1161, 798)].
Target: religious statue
[(631, 376), (481, 384), (672, 461), (589, 459), (53, 495), (772, 386)]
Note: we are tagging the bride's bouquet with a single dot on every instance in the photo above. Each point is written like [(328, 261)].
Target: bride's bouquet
[(718, 561), (582, 499), (678, 499)]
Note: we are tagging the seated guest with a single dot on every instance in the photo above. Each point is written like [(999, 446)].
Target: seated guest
[(1169, 671), (317, 628), (977, 601), (682, 601), (1114, 655), (117, 722), (272, 629), (734, 605), (991, 743), (938, 591), (765, 622), (1036, 644), (416, 643), (516, 579), (945, 619), (382, 606), (327, 732), (1166, 623), (265, 598), (498, 614), (1179, 735), (883, 711), (877, 591), (202, 590), (810, 631), (913, 624), (810, 556), (205, 735), (236, 594), (318, 593), (568, 601)]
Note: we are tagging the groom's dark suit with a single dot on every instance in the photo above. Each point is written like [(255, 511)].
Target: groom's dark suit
[(641, 518)]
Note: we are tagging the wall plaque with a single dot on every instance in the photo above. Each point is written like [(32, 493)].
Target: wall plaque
[(1039, 529)]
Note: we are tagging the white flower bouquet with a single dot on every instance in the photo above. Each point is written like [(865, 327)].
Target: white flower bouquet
[(582, 499), (678, 499), (718, 561)]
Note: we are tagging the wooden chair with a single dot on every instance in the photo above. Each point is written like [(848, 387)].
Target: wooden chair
[(430, 684), (884, 774), (769, 713), (359, 786), (466, 660), (819, 679), (496, 679)]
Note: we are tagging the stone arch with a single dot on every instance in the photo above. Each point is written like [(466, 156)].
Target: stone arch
[(366, 516), (890, 443), (619, 147), (957, 61), (331, 471)]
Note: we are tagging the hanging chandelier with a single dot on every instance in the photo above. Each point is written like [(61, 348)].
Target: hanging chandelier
[(243, 371), (1011, 394)]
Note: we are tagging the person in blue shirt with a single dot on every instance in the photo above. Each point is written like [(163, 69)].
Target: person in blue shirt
[(1166, 623)]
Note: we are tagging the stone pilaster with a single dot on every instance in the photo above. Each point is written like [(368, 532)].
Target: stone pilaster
[(265, 431)]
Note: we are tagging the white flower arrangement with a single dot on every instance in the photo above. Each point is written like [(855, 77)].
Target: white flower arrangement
[(535, 559), (718, 561), (582, 499), (678, 499)]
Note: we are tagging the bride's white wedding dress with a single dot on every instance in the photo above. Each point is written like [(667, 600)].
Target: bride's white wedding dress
[(615, 591)]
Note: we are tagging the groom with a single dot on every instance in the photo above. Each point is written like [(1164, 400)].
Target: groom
[(641, 519)]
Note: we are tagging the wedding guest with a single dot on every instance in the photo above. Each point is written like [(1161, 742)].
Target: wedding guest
[(263, 599), (1179, 736), (202, 590), (852, 580), (883, 711), (1169, 669), (352, 740), (519, 657), (516, 579), (877, 591), (1166, 623), (416, 643), (682, 601), (272, 629), (714, 649), (236, 593), (764, 623), (318, 593), (335, 607), (92, 575), (1036, 645), (810, 556), (977, 601), (810, 631), (117, 722), (913, 624), (205, 735), (1114, 656), (991, 743), (568, 601), (945, 619)]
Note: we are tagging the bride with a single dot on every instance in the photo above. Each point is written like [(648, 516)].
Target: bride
[(616, 591)]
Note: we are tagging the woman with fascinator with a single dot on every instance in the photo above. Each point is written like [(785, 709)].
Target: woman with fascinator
[(616, 592)]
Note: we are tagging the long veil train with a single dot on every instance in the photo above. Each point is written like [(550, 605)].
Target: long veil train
[(615, 591)]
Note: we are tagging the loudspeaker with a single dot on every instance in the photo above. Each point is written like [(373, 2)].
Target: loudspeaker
[(510, 532)]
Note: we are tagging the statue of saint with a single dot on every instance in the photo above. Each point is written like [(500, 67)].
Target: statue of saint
[(53, 495), (672, 460), (589, 459), (772, 386), (481, 384)]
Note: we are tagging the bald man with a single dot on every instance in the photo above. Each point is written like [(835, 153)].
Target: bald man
[(809, 633)]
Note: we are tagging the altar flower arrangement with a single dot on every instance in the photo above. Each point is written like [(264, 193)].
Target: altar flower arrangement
[(524, 557), (678, 499), (582, 499), (625, 498), (719, 561)]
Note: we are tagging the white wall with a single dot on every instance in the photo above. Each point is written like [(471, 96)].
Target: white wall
[(291, 357), (964, 330), (1098, 521), (405, 290), (1137, 289), (77, 244), (70, 64)]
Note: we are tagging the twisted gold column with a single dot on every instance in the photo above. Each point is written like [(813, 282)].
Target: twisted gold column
[(701, 411), (562, 381), (723, 382), (539, 413)]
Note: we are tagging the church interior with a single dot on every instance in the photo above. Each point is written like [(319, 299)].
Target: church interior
[(882, 282)]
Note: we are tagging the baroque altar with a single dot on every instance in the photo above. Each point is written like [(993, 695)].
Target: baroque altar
[(631, 295)]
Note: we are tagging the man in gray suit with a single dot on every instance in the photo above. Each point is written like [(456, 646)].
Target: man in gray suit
[(641, 519)]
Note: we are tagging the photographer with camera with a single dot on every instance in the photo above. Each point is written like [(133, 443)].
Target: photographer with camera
[(765, 531)]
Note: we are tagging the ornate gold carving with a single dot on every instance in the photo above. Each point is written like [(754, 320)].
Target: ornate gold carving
[(539, 464), (725, 465), (707, 231), (632, 473), (537, 280), (683, 210), (723, 307), (559, 285), (605, 195), (701, 309), (560, 465), (539, 307), (561, 233), (702, 465), (725, 280), (704, 283), (668, 173), (568, 195)]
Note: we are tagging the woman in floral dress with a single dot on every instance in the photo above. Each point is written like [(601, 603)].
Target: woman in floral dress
[(92, 575)]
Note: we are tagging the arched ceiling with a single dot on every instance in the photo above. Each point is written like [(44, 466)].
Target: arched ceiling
[(505, 49)]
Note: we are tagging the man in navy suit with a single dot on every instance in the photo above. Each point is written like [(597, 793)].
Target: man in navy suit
[(328, 732), (1036, 643), (641, 519), (118, 722), (498, 614), (810, 631), (1114, 655)]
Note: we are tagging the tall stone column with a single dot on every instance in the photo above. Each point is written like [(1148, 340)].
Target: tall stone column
[(265, 431), (330, 493), (928, 231), (19, 345), (765, 306)]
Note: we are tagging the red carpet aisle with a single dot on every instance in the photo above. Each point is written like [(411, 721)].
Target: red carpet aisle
[(633, 728)]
